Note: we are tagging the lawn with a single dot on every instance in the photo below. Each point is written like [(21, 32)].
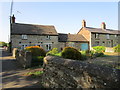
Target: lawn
[(110, 60)]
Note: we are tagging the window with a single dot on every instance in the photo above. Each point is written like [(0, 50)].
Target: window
[(19, 42), (24, 36), (71, 44), (48, 37), (23, 46), (48, 46), (108, 37), (97, 43), (103, 43), (96, 35)]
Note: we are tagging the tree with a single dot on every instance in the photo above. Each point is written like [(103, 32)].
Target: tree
[(2, 44)]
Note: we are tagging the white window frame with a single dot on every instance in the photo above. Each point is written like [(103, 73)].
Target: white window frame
[(24, 36), (108, 36), (48, 37), (71, 44), (96, 35), (23, 46), (48, 48)]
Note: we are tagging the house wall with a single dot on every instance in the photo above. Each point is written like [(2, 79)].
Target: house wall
[(103, 38), (35, 40), (76, 45), (86, 34)]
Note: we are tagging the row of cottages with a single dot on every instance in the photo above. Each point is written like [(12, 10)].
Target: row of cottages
[(100, 36), (46, 36)]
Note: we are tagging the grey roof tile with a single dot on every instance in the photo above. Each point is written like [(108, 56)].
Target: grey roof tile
[(99, 30), (18, 28), (71, 38)]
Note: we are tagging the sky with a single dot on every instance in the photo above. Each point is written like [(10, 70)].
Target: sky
[(65, 16)]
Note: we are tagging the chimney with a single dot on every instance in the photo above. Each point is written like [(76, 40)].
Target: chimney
[(103, 25), (83, 23), (13, 19)]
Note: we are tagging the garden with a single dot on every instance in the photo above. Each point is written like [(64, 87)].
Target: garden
[(96, 56)]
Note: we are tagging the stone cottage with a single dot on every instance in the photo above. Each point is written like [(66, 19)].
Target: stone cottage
[(45, 36), (100, 36), (23, 35)]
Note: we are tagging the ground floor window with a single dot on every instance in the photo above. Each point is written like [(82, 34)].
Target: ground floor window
[(48, 46), (71, 44), (97, 43), (23, 46)]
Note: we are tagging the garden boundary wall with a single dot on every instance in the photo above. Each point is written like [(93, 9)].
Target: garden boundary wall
[(23, 58), (66, 73)]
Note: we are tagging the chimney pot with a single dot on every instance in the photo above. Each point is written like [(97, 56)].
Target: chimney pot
[(103, 25), (13, 19), (83, 23)]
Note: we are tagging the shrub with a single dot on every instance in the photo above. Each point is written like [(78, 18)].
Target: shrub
[(53, 51), (71, 53), (36, 50), (89, 53), (99, 54), (37, 60), (99, 48), (117, 48)]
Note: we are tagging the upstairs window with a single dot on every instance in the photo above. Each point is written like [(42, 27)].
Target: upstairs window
[(108, 36), (24, 36), (96, 35), (48, 37)]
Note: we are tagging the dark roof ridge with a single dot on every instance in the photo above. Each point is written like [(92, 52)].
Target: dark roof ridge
[(32, 24), (101, 28)]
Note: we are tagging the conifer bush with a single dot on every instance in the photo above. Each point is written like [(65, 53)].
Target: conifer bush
[(71, 53)]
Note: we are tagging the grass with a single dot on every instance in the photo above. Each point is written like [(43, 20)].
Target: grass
[(34, 73)]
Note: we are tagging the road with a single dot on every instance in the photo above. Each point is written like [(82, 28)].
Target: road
[(12, 73)]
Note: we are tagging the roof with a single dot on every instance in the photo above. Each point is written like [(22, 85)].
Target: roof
[(71, 38), (18, 28), (99, 30)]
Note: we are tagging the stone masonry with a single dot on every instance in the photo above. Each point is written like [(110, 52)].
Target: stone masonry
[(66, 73)]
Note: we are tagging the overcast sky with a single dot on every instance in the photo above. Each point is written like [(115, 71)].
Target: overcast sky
[(65, 16)]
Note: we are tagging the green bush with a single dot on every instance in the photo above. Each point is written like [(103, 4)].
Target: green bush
[(53, 51), (71, 53), (36, 50), (90, 53), (117, 48), (99, 54), (37, 60), (99, 48)]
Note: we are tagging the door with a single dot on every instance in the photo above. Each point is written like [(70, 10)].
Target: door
[(84, 46)]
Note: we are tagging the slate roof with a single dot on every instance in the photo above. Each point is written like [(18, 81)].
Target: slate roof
[(99, 30), (71, 38), (18, 28)]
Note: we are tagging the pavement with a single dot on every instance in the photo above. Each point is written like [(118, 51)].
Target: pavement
[(12, 73)]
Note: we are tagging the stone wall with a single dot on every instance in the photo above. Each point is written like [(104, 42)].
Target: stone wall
[(17, 41), (23, 58), (66, 73), (109, 49)]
